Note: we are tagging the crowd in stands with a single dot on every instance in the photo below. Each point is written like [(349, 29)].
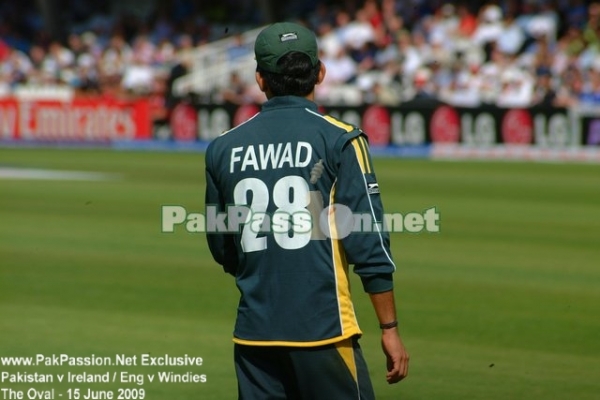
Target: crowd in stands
[(511, 53), (507, 53)]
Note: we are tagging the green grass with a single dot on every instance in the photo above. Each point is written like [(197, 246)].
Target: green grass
[(503, 303)]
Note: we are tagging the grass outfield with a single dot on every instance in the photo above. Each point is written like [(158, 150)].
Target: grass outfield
[(503, 303)]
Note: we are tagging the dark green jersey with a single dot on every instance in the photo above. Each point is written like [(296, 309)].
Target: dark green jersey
[(282, 170)]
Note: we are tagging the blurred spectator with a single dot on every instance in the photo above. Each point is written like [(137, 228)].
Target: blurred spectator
[(512, 38), (410, 57), (185, 51), (163, 27), (590, 93), (341, 68), (115, 58), (576, 13), (386, 94), (238, 50), (571, 86), (373, 14), (489, 27), (143, 50), (516, 88), (423, 86), (342, 22), (321, 16), (62, 56), (467, 23), (465, 89), (138, 76), (440, 53), (37, 55), (359, 33), (164, 55), (235, 90), (538, 18), (561, 57), (392, 24), (239, 92), (575, 41), (442, 27), (489, 76), (330, 42), (16, 67), (544, 94), (76, 45)]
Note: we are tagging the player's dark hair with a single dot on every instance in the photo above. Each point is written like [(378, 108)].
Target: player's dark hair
[(298, 78)]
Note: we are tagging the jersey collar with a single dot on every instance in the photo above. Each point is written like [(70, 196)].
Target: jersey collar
[(287, 102)]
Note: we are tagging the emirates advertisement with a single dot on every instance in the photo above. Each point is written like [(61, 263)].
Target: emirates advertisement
[(85, 120)]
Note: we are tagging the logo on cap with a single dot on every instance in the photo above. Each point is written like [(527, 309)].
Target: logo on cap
[(288, 36)]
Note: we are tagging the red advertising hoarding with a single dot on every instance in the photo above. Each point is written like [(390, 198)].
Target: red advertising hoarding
[(96, 120)]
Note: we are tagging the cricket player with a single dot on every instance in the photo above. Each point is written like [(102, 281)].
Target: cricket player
[(284, 173)]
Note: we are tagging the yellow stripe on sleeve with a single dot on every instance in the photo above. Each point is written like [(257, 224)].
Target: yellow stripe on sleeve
[(340, 267), (363, 144), (362, 149), (359, 155)]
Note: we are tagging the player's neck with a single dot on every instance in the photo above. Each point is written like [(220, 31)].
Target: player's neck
[(310, 96)]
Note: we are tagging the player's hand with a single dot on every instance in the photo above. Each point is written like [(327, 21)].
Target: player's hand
[(396, 356)]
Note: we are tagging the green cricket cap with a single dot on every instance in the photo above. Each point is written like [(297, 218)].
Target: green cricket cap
[(281, 38)]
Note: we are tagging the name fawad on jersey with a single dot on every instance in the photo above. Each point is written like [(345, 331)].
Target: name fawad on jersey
[(270, 156)]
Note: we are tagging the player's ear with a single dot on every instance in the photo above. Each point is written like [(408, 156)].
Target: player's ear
[(261, 82), (322, 72)]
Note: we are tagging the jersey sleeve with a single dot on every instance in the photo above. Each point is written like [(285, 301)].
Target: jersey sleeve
[(221, 245), (368, 245)]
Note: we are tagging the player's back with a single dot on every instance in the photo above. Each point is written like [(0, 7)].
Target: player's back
[(279, 169)]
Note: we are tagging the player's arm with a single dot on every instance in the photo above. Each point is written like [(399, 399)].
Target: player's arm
[(369, 251), (357, 189), (221, 245), (391, 343)]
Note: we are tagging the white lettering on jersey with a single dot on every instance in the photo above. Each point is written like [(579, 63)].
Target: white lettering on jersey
[(270, 156)]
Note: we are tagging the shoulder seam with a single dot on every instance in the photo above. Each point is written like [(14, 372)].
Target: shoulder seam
[(335, 122), (243, 123)]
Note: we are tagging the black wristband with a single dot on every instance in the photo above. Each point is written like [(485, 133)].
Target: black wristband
[(389, 325)]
